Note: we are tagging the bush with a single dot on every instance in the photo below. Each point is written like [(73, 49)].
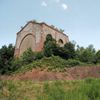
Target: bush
[(25, 60), (16, 64), (39, 55), (73, 62), (28, 56), (53, 63), (56, 63)]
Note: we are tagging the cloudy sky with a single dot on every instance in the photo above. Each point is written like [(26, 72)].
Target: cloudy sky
[(79, 18)]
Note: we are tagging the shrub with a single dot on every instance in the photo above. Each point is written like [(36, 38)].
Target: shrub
[(16, 64), (39, 55), (28, 56), (25, 61), (73, 62), (56, 63), (53, 63)]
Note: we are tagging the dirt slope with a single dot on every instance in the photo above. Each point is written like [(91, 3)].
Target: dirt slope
[(69, 74)]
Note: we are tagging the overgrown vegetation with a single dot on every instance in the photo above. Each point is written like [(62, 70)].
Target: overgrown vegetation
[(53, 57), (53, 63), (88, 89), (6, 57)]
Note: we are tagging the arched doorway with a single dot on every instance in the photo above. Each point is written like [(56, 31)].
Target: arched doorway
[(27, 42)]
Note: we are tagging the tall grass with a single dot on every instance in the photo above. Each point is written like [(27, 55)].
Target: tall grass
[(88, 89)]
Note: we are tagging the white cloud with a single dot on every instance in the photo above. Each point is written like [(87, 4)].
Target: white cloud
[(44, 4), (64, 6)]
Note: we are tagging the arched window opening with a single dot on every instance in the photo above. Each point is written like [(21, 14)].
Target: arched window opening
[(60, 42)]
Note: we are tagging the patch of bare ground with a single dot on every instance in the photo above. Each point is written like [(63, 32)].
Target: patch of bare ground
[(73, 73)]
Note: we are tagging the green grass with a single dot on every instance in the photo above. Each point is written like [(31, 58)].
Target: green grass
[(53, 63), (88, 89)]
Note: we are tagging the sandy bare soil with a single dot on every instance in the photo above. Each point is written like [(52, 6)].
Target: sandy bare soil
[(69, 74)]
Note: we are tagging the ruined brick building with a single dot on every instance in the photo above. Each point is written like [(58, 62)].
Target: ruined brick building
[(33, 35)]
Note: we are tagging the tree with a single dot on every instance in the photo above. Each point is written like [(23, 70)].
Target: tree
[(49, 46), (52, 48), (60, 51), (79, 52), (70, 50), (86, 55), (66, 52), (98, 56), (6, 56)]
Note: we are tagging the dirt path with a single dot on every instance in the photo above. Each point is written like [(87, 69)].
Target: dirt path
[(69, 74)]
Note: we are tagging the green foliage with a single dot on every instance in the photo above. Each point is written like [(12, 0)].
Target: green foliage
[(39, 55), (66, 52), (60, 51), (73, 62), (9, 65), (25, 60), (28, 56), (6, 56), (52, 48), (98, 56), (16, 64), (53, 57), (70, 49), (86, 55), (53, 63), (49, 46)]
